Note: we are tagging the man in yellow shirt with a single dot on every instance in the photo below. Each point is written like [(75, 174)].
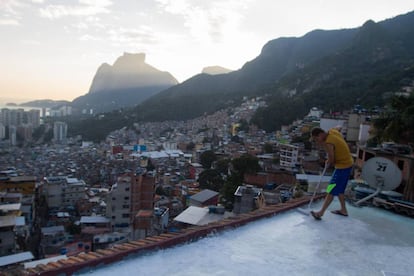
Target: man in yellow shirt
[(340, 157)]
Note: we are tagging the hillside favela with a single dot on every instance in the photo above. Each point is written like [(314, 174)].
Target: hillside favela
[(221, 174)]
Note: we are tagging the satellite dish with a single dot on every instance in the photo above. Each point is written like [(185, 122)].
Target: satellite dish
[(381, 174)]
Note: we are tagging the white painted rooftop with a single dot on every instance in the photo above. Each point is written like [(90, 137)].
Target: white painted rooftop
[(371, 241)]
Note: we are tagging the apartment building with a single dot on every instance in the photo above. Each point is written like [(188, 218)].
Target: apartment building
[(12, 226), (118, 202), (63, 191), (25, 185), (289, 155), (130, 202), (60, 132)]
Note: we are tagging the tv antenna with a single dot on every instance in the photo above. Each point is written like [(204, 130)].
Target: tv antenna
[(380, 174)]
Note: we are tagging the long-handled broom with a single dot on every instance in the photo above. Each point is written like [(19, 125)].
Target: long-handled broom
[(307, 211)]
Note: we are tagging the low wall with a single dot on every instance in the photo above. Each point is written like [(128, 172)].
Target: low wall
[(100, 257)]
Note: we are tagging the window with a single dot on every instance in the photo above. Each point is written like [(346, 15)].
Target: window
[(125, 215)]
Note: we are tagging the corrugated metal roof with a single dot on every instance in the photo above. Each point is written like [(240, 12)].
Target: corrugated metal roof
[(16, 258), (52, 229), (192, 215), (94, 219), (10, 207), (204, 195), (197, 216), (7, 221)]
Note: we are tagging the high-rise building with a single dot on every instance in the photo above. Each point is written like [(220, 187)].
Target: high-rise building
[(132, 194), (17, 117), (5, 116), (25, 131), (63, 191), (12, 135), (60, 131), (2, 131), (33, 117), (289, 155)]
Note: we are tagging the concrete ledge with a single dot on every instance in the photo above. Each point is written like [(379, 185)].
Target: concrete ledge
[(107, 256)]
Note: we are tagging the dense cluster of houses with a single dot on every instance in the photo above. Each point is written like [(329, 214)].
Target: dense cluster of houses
[(95, 196)]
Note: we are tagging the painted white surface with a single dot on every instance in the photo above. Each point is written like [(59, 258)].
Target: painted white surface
[(370, 241)]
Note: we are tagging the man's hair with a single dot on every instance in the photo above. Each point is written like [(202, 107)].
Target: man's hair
[(316, 131)]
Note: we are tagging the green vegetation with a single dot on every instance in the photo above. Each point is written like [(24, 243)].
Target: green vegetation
[(332, 70), (207, 158), (211, 179), (396, 123), (239, 167)]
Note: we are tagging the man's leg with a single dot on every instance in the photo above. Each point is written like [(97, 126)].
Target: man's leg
[(326, 203), (341, 198)]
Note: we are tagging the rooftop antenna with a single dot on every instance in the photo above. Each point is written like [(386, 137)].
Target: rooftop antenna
[(380, 174)]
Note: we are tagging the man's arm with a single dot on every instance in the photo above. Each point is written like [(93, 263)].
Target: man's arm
[(330, 150)]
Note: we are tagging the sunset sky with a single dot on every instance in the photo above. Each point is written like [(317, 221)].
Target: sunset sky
[(51, 49)]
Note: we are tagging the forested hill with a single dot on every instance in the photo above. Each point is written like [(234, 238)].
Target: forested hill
[(329, 69)]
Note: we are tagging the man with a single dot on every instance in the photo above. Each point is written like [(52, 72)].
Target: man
[(340, 157)]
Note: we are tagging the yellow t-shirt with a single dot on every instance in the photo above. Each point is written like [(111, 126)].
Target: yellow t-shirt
[(343, 157)]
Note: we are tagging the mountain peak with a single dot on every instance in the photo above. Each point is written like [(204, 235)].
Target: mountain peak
[(215, 70), (130, 61), (129, 71)]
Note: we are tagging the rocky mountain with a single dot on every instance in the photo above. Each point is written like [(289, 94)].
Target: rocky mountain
[(46, 103), (332, 70), (128, 82), (215, 70), (329, 69)]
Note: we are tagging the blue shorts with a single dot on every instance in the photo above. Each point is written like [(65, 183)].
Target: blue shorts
[(339, 180)]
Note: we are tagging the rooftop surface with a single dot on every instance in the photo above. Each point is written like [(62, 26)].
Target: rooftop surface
[(371, 241)]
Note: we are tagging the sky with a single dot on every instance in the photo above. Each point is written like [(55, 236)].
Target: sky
[(51, 49)]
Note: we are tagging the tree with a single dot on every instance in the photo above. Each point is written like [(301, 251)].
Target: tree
[(245, 164), (268, 148), (396, 123), (222, 166), (207, 158), (228, 190), (211, 179), (240, 166)]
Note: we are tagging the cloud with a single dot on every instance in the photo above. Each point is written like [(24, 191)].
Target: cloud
[(9, 22), (132, 37), (10, 12), (207, 20), (83, 8)]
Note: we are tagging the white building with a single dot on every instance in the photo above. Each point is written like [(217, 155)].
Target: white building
[(63, 191), (355, 123), (118, 208), (2, 131), (315, 113), (289, 155), (60, 131), (13, 135)]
